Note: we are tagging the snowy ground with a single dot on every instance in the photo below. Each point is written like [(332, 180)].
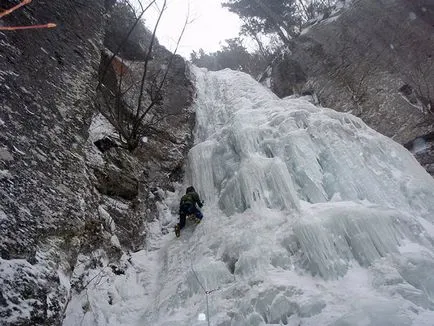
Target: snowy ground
[(311, 218)]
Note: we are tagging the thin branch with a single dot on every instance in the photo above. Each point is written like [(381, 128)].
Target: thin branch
[(118, 97), (168, 68), (127, 36), (176, 48), (148, 56), (134, 10)]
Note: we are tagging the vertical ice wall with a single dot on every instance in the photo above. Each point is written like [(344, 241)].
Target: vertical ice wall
[(255, 151), (233, 161)]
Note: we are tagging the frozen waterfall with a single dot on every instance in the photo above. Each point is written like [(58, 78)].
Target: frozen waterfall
[(311, 218)]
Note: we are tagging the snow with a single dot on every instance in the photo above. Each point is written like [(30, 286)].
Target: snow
[(108, 220), (18, 151), (412, 16), (11, 269), (115, 241), (3, 215), (419, 146), (311, 218), (5, 174), (64, 280), (331, 19), (100, 128)]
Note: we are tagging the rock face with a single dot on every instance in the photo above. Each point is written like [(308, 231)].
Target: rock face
[(375, 60), (69, 201), (46, 81)]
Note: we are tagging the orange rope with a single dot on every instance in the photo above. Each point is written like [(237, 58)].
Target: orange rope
[(14, 28), (8, 11)]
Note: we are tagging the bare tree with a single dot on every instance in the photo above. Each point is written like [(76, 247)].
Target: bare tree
[(133, 105), (127, 36)]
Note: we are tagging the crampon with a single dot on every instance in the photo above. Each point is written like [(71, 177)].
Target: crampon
[(192, 218)]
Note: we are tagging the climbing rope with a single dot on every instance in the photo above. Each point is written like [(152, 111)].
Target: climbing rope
[(207, 292), (204, 290)]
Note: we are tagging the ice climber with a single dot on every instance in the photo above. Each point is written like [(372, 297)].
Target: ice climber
[(187, 206)]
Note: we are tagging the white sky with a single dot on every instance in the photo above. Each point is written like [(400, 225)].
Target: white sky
[(211, 25)]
